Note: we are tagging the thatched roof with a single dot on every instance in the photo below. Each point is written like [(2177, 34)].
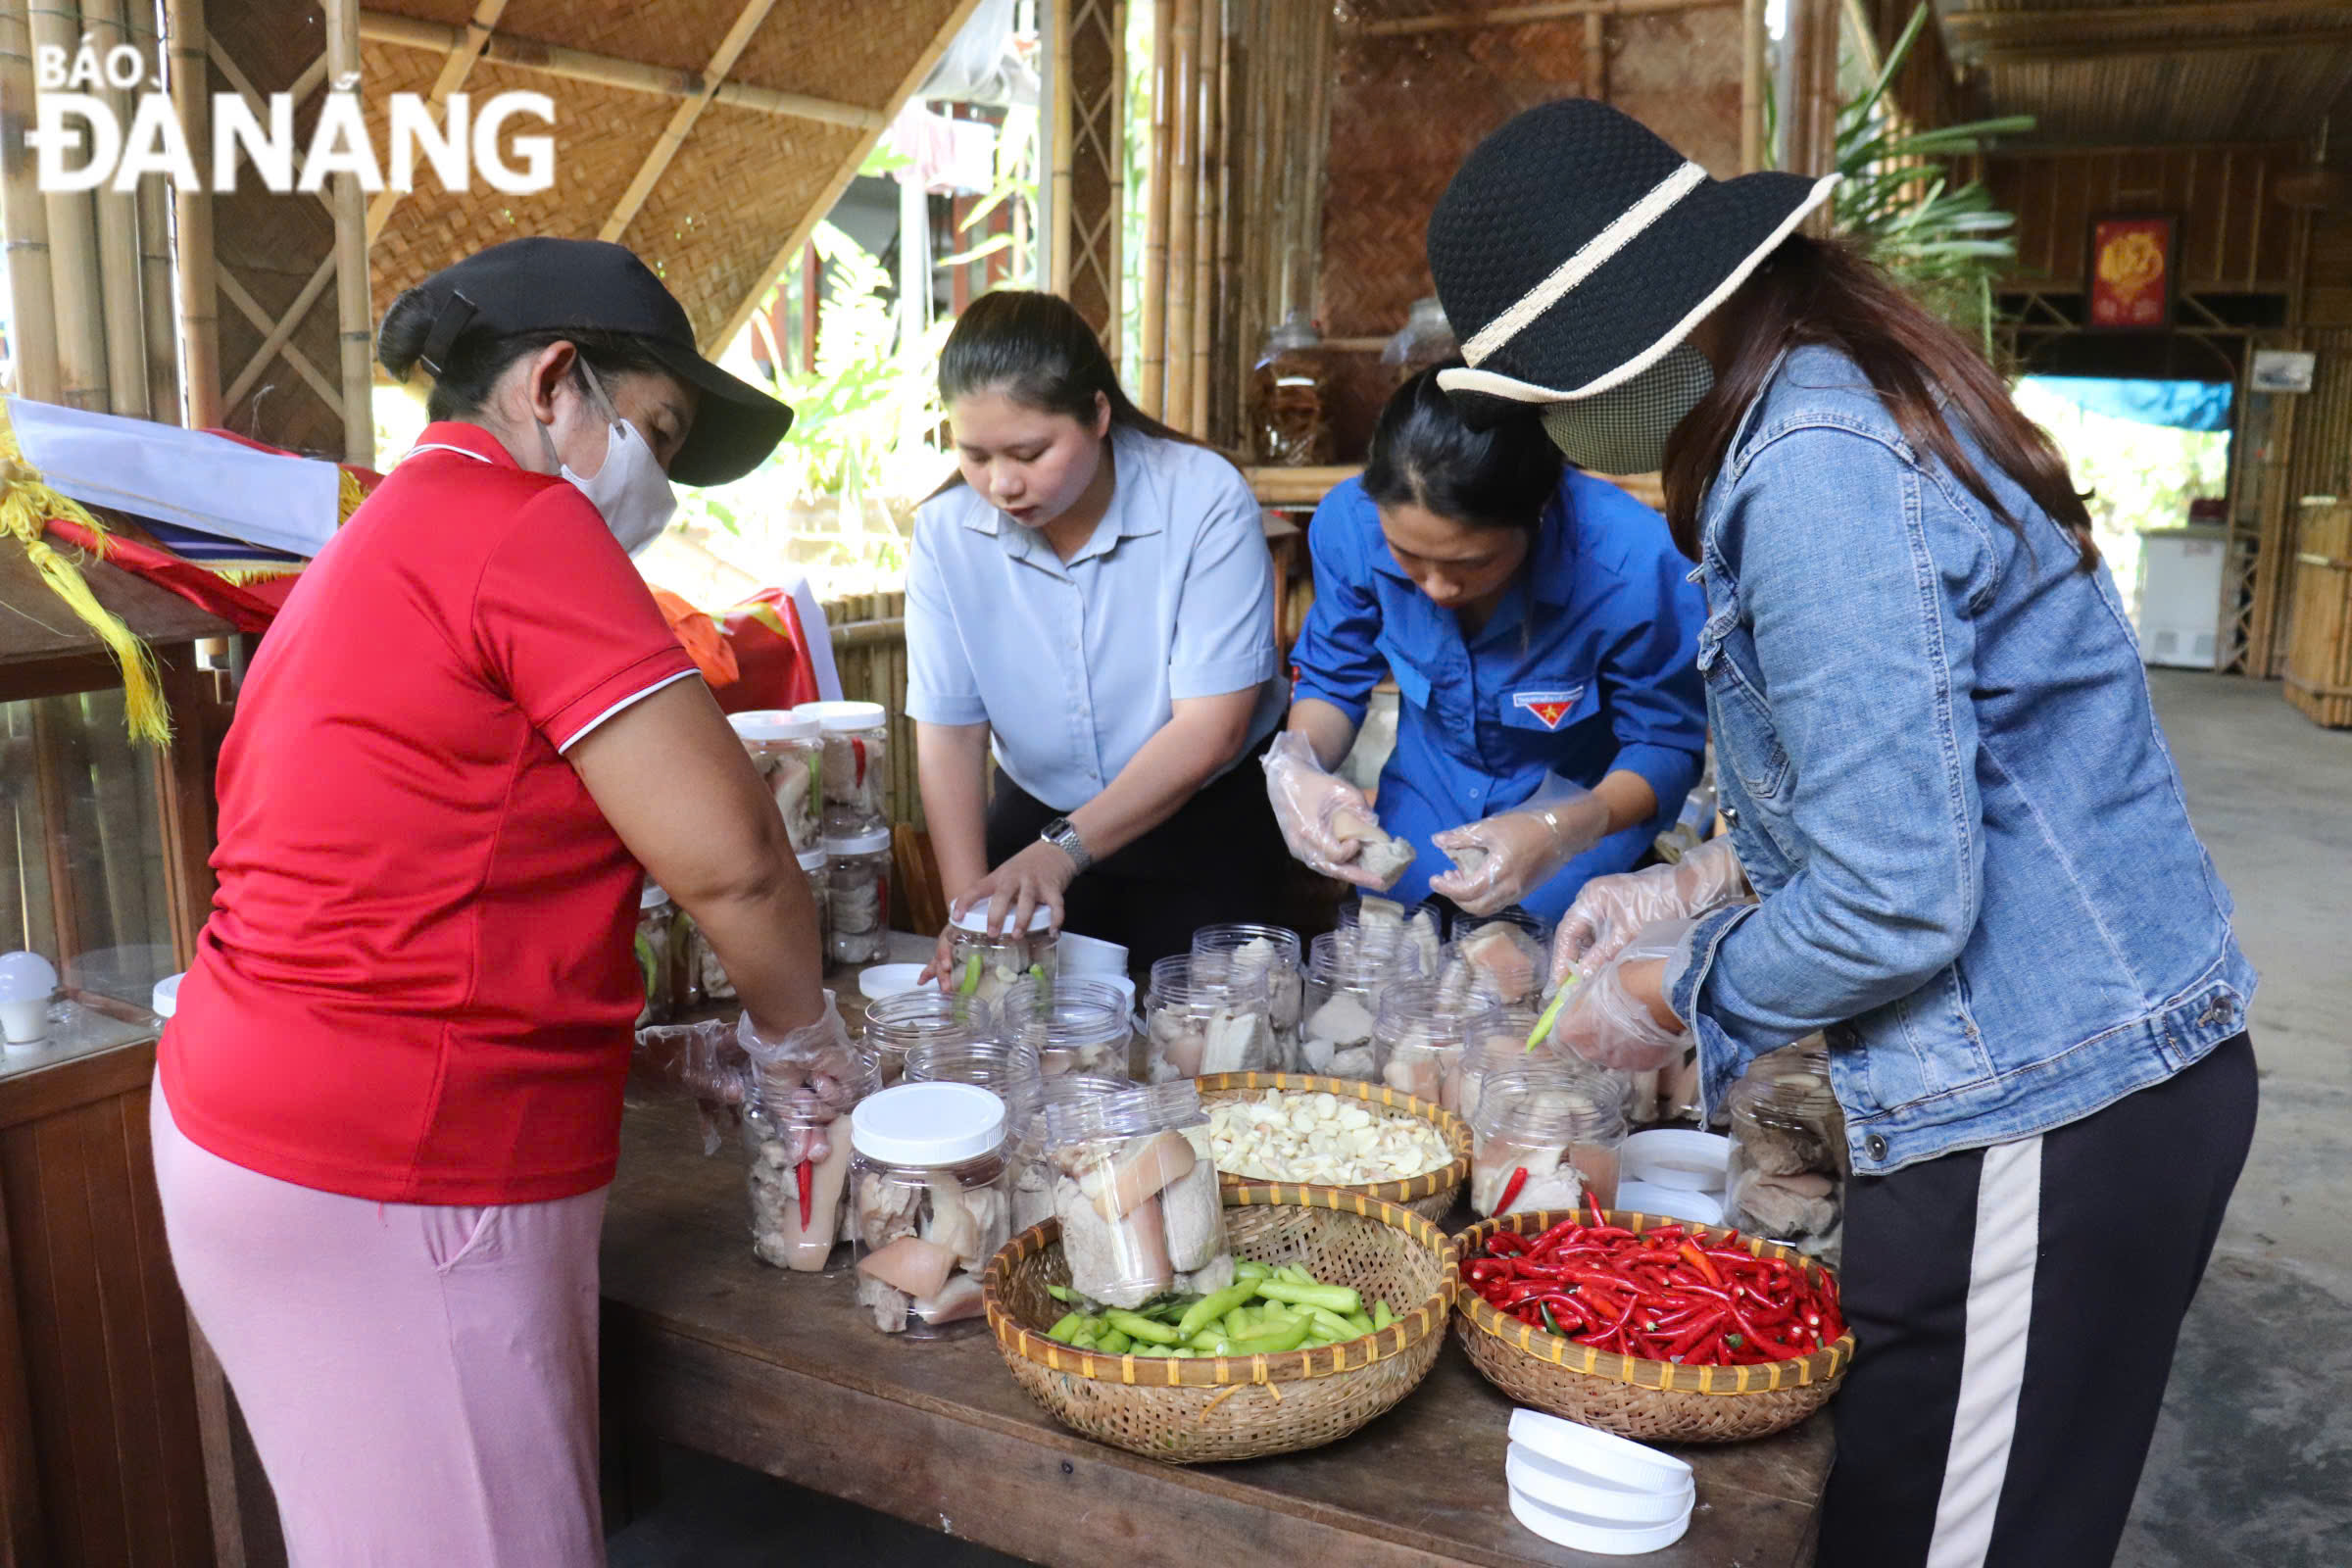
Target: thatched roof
[(707, 135)]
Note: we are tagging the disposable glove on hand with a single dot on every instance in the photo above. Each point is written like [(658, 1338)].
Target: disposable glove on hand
[(1613, 1016), (1612, 909), (1498, 861), (1326, 821), (705, 1060)]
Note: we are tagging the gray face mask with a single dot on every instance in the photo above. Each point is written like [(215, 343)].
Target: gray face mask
[(1624, 429)]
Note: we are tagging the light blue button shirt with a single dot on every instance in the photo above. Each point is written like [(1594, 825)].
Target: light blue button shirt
[(1074, 666)]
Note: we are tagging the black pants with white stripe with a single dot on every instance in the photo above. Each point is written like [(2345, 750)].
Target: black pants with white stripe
[(2016, 1310)]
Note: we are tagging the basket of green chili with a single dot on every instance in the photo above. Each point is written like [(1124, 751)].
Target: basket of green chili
[(1647, 1327), (1339, 1311)]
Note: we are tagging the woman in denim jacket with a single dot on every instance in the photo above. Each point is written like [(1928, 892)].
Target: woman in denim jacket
[(1958, 846)]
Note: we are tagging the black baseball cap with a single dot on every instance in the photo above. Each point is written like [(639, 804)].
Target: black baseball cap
[(540, 283)]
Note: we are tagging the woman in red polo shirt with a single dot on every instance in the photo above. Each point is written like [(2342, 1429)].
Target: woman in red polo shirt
[(388, 1106)]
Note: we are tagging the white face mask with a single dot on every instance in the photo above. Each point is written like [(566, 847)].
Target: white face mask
[(630, 490), (1624, 429)]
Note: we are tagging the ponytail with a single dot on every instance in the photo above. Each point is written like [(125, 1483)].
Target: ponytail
[(1037, 350)]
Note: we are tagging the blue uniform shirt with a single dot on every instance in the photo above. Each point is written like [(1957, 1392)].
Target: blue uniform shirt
[(1075, 664), (1589, 664)]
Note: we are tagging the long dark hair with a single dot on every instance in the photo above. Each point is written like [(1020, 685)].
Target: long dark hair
[(1813, 291), (1038, 351), (1425, 455), (478, 357)]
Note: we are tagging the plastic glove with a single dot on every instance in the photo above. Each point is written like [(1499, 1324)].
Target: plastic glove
[(1499, 861), (1326, 821), (808, 1065), (1611, 909), (708, 1061), (1612, 1017)]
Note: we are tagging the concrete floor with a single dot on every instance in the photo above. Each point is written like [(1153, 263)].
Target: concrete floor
[(2252, 1464)]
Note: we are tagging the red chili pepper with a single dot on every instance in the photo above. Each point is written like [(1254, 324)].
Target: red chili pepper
[(1775, 1349), (1702, 1263), (1560, 1230), (1511, 1190), (806, 1174), (1543, 1271), (1685, 1341), (857, 752), (1481, 1270), (1507, 1244)]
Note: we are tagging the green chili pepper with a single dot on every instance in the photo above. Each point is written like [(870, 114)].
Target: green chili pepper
[(1551, 1016), (1210, 1309), (1065, 1327), (1064, 1294), (1138, 1327), (1550, 1323), (1339, 1299), (1381, 1317), (971, 976), (1251, 1269), (1114, 1343), (1273, 1344)]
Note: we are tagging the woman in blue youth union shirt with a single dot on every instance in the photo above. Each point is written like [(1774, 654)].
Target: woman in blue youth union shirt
[(1543, 637), (1091, 601)]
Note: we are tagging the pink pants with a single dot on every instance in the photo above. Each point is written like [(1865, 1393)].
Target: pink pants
[(419, 1378)]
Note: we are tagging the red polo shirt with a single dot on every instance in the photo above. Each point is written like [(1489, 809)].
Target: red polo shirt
[(417, 983)]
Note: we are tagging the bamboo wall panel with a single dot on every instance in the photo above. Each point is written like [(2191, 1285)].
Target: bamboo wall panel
[(102, 1339), (2319, 660), (2327, 294), (2319, 462), (1089, 220), (2235, 236)]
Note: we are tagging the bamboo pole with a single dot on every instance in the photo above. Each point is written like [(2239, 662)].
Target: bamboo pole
[(1751, 86), (1151, 381), (73, 247), (1322, 50), (153, 203), (24, 217), (1058, 26), (1596, 54), (118, 270), (354, 309), (1112, 139), (1233, 113), (1514, 16), (199, 298), (1206, 216), (1183, 197)]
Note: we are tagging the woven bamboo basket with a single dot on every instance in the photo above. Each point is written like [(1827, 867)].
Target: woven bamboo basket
[(1634, 1398), (1431, 1195), (1240, 1407)]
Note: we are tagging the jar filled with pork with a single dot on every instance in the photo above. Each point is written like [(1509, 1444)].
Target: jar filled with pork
[(856, 770), (895, 1025), (1033, 1172), (788, 749), (932, 1201), (1199, 1025), (1346, 975), (1419, 1034), (1786, 1178), (657, 929), (1136, 1191), (1075, 1025), (984, 965), (1505, 959), (1543, 1137), (1381, 927), (858, 917), (1502, 1047), (1225, 952), (798, 1149), (707, 977), (1002, 1067)]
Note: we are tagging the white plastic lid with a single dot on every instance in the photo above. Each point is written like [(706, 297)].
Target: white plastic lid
[(1082, 955), (1598, 1453), (813, 860), (975, 919), (1577, 1491), (652, 897), (844, 716), (1596, 1537), (776, 724), (165, 1001), (928, 1124), (879, 981), (875, 843)]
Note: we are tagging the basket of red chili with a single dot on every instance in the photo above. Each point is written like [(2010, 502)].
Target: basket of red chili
[(1647, 1327)]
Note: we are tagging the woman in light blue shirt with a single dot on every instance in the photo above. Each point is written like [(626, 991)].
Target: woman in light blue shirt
[(1090, 602)]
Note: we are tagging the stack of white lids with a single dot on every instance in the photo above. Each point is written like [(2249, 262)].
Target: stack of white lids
[(1593, 1491), (1675, 1172)]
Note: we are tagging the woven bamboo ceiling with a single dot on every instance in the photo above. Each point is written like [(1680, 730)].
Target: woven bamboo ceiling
[(2158, 70), (707, 135)]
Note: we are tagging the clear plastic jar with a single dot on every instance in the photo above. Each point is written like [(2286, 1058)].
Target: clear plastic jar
[(1290, 413), (704, 978), (656, 966), (1075, 1025), (1383, 925), (794, 1226), (858, 919), (933, 1201), (789, 752), (1136, 1191), (1787, 1168), (1504, 1050), (985, 967), (1032, 1172), (1561, 1129), (1347, 974), (1196, 1025), (895, 1025), (857, 765), (1506, 958), (1426, 339), (1222, 951), (1419, 1034), (817, 867), (1003, 1068)]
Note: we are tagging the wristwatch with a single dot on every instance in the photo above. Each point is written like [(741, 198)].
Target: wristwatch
[(1063, 834)]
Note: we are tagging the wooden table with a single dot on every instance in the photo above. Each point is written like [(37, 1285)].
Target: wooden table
[(706, 1348)]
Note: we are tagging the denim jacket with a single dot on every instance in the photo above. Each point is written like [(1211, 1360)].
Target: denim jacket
[(1943, 776)]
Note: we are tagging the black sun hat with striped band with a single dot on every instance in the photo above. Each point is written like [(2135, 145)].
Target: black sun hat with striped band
[(1574, 249)]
